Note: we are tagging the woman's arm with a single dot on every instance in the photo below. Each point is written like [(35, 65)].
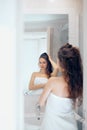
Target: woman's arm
[(45, 93), (55, 67), (31, 83)]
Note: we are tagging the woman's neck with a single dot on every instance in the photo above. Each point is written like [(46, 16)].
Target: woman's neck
[(42, 71)]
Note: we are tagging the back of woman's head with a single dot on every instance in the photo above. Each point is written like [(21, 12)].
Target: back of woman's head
[(70, 60), (49, 68)]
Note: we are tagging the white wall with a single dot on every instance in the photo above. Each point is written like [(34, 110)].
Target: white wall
[(51, 4), (7, 65)]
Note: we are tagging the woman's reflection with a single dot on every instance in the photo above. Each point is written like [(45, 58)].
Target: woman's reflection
[(48, 68)]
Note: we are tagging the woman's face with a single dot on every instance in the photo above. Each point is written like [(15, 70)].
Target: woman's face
[(42, 63)]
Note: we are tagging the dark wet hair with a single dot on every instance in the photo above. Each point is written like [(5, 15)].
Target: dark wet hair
[(49, 68), (70, 60)]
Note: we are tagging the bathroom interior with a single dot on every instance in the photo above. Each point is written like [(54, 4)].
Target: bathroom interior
[(44, 33), (44, 30), (16, 110)]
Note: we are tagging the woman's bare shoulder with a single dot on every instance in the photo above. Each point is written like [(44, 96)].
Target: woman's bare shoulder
[(53, 79), (57, 81), (35, 74)]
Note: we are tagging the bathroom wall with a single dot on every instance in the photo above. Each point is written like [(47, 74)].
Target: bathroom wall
[(8, 93), (52, 4)]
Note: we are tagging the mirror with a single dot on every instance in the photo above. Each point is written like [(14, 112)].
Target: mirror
[(42, 33)]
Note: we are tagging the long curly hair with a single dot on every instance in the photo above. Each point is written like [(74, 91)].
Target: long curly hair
[(49, 68), (70, 60)]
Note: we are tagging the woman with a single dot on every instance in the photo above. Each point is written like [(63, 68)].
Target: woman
[(61, 93), (48, 68)]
